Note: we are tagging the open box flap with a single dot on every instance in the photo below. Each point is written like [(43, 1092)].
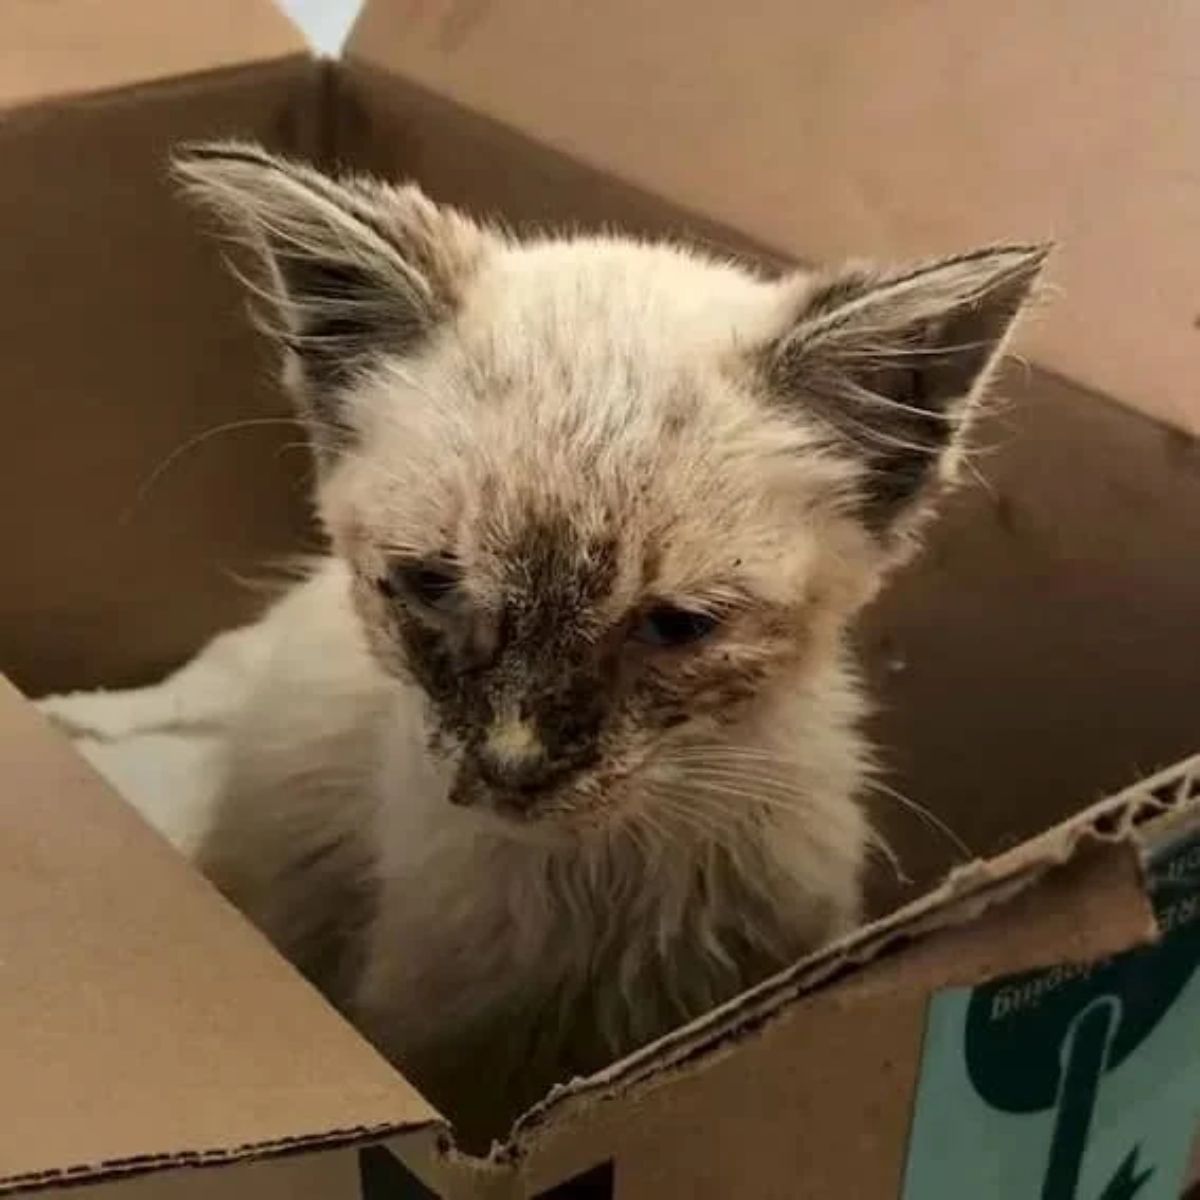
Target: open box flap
[(813, 1073), (54, 48), (144, 1023), (819, 1088), (1074, 894), (906, 130)]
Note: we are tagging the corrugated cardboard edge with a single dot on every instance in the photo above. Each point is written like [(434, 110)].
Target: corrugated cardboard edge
[(407, 1136), (411, 1132), (966, 894), (450, 1173)]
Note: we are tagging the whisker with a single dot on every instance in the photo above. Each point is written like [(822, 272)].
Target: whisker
[(747, 783), (636, 832), (191, 444), (882, 848), (925, 815), (720, 791), (706, 824), (726, 750), (743, 772), (678, 810), (660, 829), (748, 769)]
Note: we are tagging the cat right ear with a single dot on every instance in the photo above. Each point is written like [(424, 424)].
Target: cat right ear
[(890, 366), (349, 269)]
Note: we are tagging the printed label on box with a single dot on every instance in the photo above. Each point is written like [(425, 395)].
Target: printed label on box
[(1074, 1083)]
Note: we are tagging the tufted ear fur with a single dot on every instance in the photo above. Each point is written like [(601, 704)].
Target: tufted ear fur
[(349, 268), (892, 366)]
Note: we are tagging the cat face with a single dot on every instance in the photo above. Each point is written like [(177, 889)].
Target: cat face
[(601, 498), (578, 528)]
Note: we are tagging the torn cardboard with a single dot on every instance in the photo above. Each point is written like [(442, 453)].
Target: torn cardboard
[(1039, 656), (147, 1023)]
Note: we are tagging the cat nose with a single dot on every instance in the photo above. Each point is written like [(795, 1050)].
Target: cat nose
[(513, 738), (512, 756)]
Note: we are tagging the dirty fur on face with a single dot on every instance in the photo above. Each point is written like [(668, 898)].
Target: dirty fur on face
[(559, 746)]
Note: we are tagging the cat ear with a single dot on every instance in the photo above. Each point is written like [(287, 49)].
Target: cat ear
[(350, 268), (892, 366)]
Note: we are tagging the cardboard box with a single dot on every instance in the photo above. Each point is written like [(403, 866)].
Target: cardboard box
[(1027, 1022)]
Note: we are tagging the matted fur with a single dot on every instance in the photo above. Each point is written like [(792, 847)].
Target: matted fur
[(512, 834)]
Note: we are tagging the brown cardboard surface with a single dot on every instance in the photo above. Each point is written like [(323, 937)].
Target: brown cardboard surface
[(143, 1021), (873, 129), (331, 1175), (387, 125), (155, 461), (53, 48)]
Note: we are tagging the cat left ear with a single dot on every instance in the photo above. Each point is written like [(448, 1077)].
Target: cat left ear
[(349, 268), (891, 366)]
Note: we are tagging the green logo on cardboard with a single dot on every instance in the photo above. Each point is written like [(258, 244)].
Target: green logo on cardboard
[(1044, 1041)]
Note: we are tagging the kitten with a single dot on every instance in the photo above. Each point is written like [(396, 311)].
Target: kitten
[(559, 747)]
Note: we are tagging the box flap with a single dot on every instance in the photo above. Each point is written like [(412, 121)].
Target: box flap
[(144, 1022), (820, 1091), (876, 130), (54, 48), (1074, 894), (816, 1082)]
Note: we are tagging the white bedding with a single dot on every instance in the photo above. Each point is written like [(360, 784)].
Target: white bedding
[(159, 746)]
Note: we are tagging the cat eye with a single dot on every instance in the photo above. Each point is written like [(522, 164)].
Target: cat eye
[(668, 625), (433, 584)]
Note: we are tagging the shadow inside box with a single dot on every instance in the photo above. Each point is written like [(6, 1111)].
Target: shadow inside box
[(384, 1177)]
